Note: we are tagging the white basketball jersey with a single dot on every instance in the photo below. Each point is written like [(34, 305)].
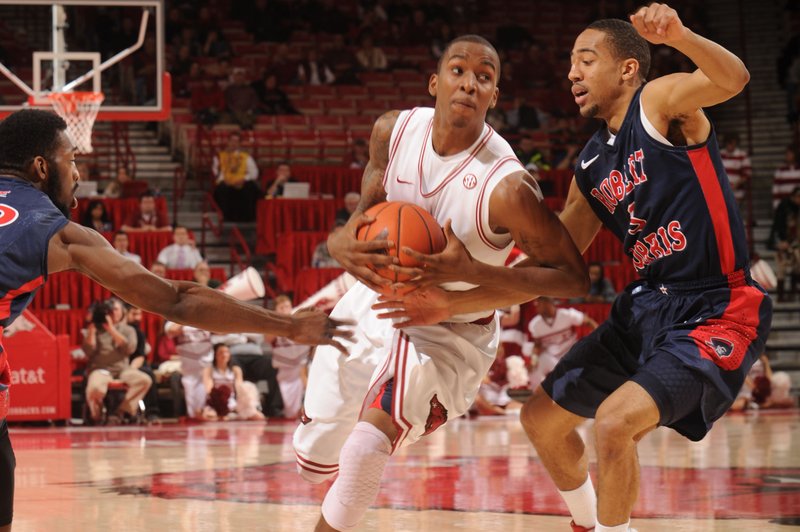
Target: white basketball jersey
[(457, 186), (557, 336)]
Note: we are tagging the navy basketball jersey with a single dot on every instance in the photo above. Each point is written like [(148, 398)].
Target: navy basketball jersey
[(671, 206), (28, 219)]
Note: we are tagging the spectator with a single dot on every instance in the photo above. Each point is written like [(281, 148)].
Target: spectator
[(290, 359), (283, 66), (783, 239), (496, 118), (737, 166), (322, 257), (228, 394), (216, 46), (159, 268), (85, 171), (524, 116), (787, 176), (493, 398), (441, 40), (273, 100), (341, 61), (370, 58), (351, 200), (359, 156), (511, 336), (207, 102), (139, 360), (601, 290), (283, 174), (531, 156), (115, 187), (236, 173), (247, 352), (182, 253), (202, 275), (108, 344), (121, 243), (241, 101), (764, 389), (313, 71), (96, 217), (194, 350), (553, 331), (146, 217)]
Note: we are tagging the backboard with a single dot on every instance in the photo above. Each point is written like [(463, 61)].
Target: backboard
[(112, 46)]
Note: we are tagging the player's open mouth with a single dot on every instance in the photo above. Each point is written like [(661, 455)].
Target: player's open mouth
[(580, 94)]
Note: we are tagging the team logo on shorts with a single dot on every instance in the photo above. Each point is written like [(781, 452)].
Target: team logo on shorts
[(4, 193), (470, 181), (304, 419), (721, 346), (8, 215), (437, 416)]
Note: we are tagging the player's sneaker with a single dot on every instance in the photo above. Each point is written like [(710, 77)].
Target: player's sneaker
[(577, 528)]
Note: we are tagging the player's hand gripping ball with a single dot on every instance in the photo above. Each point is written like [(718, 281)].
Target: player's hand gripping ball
[(407, 225)]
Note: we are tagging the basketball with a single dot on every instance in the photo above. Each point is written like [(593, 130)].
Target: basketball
[(407, 225)]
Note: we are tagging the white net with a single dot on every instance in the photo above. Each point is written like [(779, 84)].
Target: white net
[(79, 110)]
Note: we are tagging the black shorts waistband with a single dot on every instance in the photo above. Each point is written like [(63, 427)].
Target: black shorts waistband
[(732, 280)]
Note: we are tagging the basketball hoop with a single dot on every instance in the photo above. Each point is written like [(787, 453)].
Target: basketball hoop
[(79, 110)]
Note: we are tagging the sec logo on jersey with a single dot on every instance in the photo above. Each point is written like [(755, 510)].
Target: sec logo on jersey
[(470, 181), (8, 215)]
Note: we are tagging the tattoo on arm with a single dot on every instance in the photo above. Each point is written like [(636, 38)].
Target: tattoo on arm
[(372, 191)]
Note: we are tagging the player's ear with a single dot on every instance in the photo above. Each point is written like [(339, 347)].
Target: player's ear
[(432, 83), (39, 169), (495, 96), (630, 69)]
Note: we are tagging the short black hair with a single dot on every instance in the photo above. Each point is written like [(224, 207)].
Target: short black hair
[(27, 134), (470, 37), (625, 42)]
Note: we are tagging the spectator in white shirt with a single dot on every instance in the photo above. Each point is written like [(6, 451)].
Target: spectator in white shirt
[(787, 176), (182, 253), (121, 243)]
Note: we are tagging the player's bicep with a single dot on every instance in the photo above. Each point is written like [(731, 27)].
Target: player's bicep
[(372, 189), (86, 251), (682, 94), (517, 206)]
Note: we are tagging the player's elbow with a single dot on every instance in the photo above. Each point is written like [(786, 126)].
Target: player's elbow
[(738, 80)]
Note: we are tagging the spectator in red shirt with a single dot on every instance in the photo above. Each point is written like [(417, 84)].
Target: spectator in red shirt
[(208, 102), (146, 217)]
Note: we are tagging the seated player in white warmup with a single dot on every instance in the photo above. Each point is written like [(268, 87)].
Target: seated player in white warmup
[(394, 387)]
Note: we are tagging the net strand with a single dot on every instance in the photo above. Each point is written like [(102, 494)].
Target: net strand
[(79, 110)]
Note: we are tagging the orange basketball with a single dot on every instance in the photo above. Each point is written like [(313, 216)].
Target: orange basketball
[(407, 225)]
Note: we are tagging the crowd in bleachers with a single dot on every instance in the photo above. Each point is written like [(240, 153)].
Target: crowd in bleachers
[(270, 92)]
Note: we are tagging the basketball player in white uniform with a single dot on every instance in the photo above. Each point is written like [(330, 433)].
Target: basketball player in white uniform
[(396, 386), (553, 331)]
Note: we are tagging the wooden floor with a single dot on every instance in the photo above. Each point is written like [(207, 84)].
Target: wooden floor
[(470, 475)]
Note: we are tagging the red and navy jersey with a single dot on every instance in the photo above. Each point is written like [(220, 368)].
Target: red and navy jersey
[(28, 219), (671, 206)]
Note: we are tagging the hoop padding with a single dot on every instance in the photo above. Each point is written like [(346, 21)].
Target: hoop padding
[(79, 110)]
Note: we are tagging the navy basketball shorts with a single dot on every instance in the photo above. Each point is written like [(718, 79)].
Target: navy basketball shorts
[(7, 465), (689, 345)]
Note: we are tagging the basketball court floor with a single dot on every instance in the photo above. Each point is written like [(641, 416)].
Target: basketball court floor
[(470, 475)]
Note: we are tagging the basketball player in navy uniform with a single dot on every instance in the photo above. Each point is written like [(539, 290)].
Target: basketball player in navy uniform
[(680, 341), (38, 179)]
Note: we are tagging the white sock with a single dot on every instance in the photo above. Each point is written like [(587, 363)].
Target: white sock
[(582, 504), (619, 528), (361, 463)]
